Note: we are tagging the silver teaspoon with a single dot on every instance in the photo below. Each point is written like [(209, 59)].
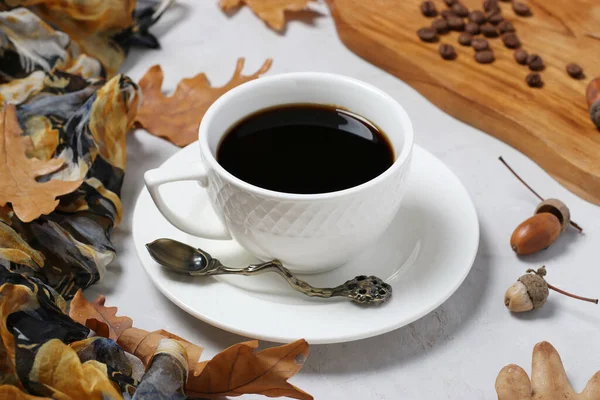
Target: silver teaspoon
[(180, 257)]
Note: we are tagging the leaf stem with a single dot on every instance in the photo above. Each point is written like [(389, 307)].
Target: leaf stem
[(573, 223), (595, 301)]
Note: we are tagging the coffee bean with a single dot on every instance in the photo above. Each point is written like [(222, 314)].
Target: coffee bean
[(427, 34), (447, 14), (477, 17), (450, 3), (456, 24), (521, 56), (495, 17), (460, 10), (447, 51), (485, 57), (511, 40), (534, 80), (480, 44), (506, 26), (521, 9), (575, 71), (440, 25), (490, 5), (535, 62), (489, 30), (472, 28), (465, 39), (428, 9), (506, 1)]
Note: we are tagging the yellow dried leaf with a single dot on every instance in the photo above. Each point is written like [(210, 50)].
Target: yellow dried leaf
[(9, 392), (238, 370), (57, 367), (270, 11), (18, 185), (177, 117), (548, 379)]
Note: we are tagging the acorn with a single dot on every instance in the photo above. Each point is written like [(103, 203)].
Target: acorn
[(531, 291), (551, 218)]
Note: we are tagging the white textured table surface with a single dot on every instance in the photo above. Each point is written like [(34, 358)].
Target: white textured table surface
[(456, 351)]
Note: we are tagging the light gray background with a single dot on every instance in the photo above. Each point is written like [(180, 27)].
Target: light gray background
[(456, 351)]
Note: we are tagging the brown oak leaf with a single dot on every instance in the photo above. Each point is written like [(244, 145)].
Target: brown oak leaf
[(177, 117), (233, 372), (238, 370), (548, 379), (103, 320), (18, 185), (270, 11)]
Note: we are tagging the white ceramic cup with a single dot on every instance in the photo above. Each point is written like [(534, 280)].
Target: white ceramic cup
[(309, 233)]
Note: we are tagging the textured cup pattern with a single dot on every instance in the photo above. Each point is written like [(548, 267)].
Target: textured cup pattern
[(361, 211)]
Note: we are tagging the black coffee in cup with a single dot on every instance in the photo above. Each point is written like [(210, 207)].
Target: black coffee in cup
[(305, 149)]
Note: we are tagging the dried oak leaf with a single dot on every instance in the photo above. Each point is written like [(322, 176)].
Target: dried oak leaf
[(177, 117), (105, 322), (270, 11), (233, 372), (18, 186), (548, 379), (238, 370), (94, 314)]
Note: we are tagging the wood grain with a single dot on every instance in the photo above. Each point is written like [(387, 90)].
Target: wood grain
[(550, 125)]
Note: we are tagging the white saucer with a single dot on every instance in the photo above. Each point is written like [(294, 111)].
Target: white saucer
[(425, 255)]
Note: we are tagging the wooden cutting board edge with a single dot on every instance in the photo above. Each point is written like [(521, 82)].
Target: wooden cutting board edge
[(581, 182)]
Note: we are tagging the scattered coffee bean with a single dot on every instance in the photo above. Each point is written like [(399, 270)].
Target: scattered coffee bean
[(477, 17), (506, 26), (440, 25), (460, 10), (489, 30), (490, 5), (521, 56), (472, 28), (534, 80), (465, 39), (511, 40), (450, 3), (535, 62), (506, 1), (495, 17), (485, 57), (521, 9), (456, 23), (428, 9), (447, 14), (427, 34), (447, 51), (575, 71), (480, 44)]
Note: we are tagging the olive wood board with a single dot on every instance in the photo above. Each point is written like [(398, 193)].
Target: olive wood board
[(551, 125)]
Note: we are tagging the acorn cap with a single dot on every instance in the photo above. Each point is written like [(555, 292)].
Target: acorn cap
[(537, 288), (558, 209)]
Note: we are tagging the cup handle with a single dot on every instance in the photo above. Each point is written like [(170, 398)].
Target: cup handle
[(155, 178)]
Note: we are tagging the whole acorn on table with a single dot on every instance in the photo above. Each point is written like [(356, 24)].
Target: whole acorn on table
[(551, 218), (531, 291)]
